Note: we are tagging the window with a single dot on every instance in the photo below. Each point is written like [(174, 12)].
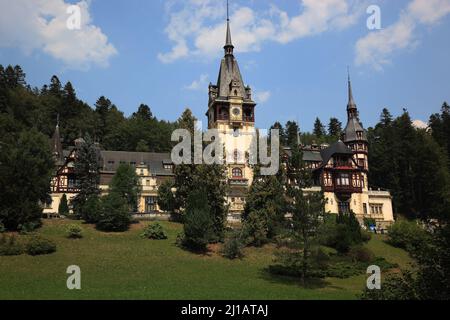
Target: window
[(365, 208), (344, 207), (343, 179), (376, 208), (133, 164), (150, 204), (237, 173)]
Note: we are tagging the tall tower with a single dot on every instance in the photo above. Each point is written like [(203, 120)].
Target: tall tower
[(231, 110), (354, 135)]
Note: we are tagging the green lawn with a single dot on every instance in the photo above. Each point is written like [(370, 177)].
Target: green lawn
[(124, 266)]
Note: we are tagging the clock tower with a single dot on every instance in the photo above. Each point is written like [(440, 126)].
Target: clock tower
[(231, 110)]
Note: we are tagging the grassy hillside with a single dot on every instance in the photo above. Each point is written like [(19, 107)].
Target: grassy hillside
[(124, 266)]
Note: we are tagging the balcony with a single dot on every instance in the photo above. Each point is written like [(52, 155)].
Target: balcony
[(343, 189), (241, 182)]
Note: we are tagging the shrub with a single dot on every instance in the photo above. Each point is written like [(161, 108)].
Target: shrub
[(38, 246), (9, 246), (91, 209), (154, 231), (255, 229), (361, 254), (407, 235), (63, 208), (232, 248), (114, 215), (2, 228), (74, 231), (29, 227), (198, 226)]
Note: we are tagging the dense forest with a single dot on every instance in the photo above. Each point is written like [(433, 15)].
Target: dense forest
[(411, 163), (39, 109)]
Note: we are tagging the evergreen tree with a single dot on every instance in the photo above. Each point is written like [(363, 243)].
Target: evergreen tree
[(283, 138), (335, 128), (63, 208), (25, 173), (198, 225), (55, 86), (319, 129), (143, 113), (266, 197), (127, 184), (87, 173), (292, 134), (114, 214), (166, 198)]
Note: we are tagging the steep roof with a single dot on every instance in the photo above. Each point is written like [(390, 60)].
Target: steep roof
[(353, 124), (154, 161), (337, 148)]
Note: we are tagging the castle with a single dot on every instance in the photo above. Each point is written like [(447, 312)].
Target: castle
[(339, 170)]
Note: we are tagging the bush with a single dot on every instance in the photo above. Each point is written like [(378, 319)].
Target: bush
[(198, 226), (114, 215), (232, 248), (9, 246), (91, 209), (38, 246), (361, 254), (342, 232), (74, 231), (255, 229), (2, 228), (29, 227), (154, 231), (407, 235)]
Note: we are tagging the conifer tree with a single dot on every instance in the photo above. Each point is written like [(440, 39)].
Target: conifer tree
[(63, 208), (335, 128), (319, 129), (87, 173)]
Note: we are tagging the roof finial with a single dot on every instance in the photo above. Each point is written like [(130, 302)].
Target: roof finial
[(228, 43)]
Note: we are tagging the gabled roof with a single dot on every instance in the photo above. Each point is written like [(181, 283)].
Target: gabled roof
[(338, 148)]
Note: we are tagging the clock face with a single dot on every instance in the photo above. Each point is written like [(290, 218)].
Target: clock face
[(236, 111)]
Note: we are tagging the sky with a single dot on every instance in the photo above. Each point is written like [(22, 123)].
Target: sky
[(293, 53)]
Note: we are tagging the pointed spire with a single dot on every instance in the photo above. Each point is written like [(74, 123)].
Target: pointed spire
[(351, 106), (56, 141), (228, 43)]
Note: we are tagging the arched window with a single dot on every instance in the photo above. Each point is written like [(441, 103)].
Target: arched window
[(237, 173)]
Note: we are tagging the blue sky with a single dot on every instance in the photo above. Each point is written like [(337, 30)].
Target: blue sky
[(294, 54)]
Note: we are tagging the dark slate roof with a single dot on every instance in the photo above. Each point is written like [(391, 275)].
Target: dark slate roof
[(312, 156), (353, 126), (154, 161), (336, 148)]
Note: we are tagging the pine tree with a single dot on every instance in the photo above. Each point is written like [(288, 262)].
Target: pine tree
[(335, 128), (144, 113), (166, 197), (87, 173), (63, 208), (266, 197), (319, 129), (198, 225), (292, 134), (55, 86), (126, 183)]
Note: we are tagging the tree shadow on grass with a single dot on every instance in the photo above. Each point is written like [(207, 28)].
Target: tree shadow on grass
[(311, 283)]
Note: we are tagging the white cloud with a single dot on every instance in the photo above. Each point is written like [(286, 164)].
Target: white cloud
[(197, 27), (41, 25), (376, 48), (262, 96), (199, 84)]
